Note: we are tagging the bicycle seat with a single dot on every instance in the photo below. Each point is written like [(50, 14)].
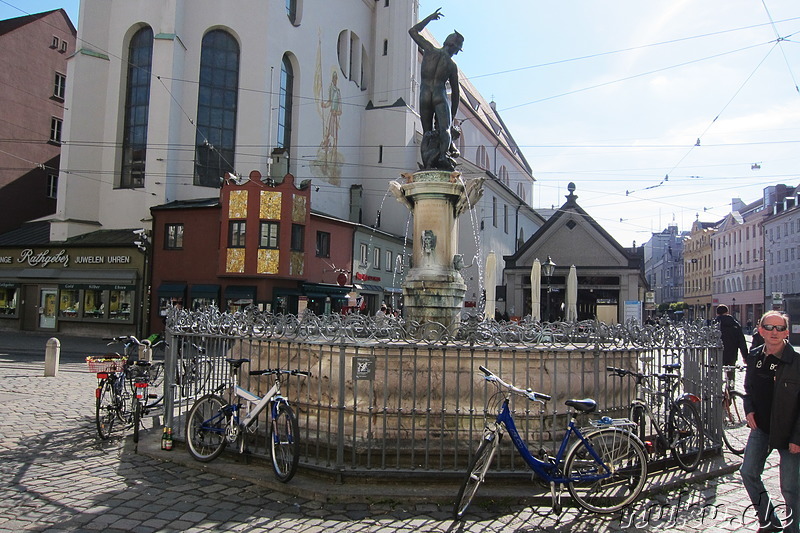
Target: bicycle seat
[(237, 363), (587, 405), (672, 366)]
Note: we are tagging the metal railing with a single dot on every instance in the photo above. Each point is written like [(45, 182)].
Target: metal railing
[(384, 396)]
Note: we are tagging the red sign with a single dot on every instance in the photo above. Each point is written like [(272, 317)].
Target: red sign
[(364, 277), (341, 279)]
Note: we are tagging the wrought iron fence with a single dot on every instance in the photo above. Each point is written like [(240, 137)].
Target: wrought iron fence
[(387, 396)]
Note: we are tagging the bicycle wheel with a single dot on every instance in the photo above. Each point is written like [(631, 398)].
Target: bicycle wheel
[(107, 410), (638, 417), (685, 434), (136, 415), (156, 383), (206, 427), (734, 423), (589, 482), (203, 374), (284, 442), (477, 472)]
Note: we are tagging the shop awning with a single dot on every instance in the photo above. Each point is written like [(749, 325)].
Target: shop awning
[(324, 290), (204, 291), (172, 289), (240, 292), (67, 275), (393, 290), (369, 288)]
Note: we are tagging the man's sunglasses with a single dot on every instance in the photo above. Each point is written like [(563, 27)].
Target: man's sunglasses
[(770, 327)]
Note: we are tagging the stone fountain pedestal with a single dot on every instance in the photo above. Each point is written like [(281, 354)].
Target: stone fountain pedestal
[(434, 288)]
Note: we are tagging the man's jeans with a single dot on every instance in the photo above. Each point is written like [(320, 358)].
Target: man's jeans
[(755, 456)]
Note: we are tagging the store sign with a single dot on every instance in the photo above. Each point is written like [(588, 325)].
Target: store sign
[(46, 258), (365, 277)]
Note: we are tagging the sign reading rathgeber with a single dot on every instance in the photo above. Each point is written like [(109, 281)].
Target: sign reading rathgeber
[(364, 367)]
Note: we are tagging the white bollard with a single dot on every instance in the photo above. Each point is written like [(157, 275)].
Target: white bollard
[(51, 356)]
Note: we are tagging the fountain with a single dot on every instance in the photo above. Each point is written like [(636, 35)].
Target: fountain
[(436, 195)]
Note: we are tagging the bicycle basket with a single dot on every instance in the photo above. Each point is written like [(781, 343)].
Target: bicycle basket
[(111, 362)]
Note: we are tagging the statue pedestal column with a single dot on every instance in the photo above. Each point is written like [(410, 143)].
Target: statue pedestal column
[(434, 289)]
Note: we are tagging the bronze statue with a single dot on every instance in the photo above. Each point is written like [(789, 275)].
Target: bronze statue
[(438, 150)]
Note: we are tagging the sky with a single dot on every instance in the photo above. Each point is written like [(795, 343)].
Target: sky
[(658, 112)]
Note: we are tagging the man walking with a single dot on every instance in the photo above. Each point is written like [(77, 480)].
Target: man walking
[(772, 404), (733, 340)]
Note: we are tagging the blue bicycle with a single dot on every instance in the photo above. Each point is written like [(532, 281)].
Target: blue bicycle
[(604, 467)]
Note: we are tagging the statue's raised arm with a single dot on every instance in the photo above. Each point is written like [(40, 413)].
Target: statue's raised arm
[(414, 30), (436, 110)]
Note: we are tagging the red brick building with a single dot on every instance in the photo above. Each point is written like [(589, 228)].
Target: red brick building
[(258, 243)]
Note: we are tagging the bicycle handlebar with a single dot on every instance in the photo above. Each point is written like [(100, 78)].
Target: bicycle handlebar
[(294, 372), (130, 339), (532, 395)]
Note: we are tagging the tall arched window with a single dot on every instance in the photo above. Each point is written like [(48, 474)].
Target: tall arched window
[(216, 108), (137, 107), (285, 104)]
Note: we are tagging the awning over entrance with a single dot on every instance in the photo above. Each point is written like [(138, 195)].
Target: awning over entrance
[(322, 290), (177, 290), (204, 291), (243, 292), (369, 288)]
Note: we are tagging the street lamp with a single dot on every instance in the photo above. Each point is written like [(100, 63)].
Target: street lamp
[(548, 267)]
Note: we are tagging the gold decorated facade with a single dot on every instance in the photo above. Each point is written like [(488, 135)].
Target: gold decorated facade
[(268, 261)]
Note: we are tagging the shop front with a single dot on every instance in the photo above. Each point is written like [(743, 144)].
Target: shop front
[(84, 291)]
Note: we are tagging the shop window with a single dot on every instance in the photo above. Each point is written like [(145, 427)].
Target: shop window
[(93, 304), (120, 305), (165, 302), (8, 301), (69, 303)]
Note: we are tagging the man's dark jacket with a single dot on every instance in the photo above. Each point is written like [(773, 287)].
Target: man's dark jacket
[(733, 340), (785, 407)]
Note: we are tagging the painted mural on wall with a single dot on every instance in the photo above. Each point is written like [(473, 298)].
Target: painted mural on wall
[(329, 161)]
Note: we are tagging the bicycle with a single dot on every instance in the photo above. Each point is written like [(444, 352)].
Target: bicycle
[(193, 371), (734, 423), (682, 433), (213, 422), (122, 395), (604, 468)]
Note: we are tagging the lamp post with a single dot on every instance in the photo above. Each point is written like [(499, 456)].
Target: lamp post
[(548, 267), (733, 311)]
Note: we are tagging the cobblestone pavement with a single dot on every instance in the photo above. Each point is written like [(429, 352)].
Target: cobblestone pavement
[(57, 476)]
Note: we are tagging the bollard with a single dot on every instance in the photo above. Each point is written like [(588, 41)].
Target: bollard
[(51, 356)]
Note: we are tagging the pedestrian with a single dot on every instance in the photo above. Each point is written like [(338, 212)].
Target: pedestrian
[(772, 405), (733, 340)]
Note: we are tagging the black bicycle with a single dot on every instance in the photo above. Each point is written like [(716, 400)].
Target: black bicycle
[(682, 430), (127, 388)]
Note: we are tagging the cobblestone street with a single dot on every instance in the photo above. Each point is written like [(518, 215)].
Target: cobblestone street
[(59, 477)]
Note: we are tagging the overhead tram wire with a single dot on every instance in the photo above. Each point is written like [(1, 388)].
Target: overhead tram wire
[(780, 41), (713, 121)]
